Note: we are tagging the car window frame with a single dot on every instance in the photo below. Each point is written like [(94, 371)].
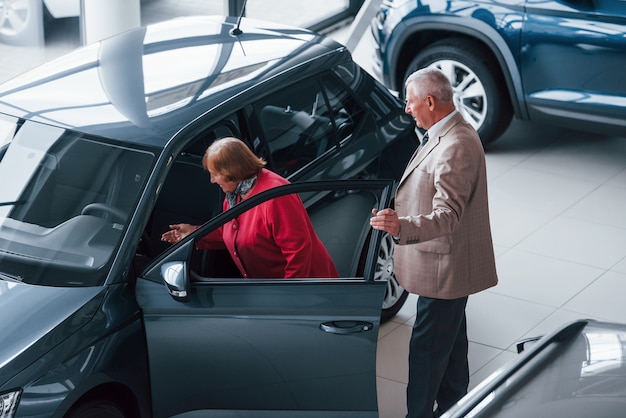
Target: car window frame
[(182, 250)]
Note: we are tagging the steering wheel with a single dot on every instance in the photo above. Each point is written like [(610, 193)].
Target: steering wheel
[(116, 213)]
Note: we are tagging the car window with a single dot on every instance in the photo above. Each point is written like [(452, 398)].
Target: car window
[(346, 111), (68, 203), (300, 127), (339, 214)]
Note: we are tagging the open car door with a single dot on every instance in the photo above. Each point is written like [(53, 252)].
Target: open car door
[(234, 347)]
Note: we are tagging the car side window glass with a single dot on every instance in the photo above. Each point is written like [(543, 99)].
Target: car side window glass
[(300, 123), (298, 128), (346, 111)]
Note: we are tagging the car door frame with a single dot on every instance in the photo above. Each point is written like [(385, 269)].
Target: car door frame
[(274, 333)]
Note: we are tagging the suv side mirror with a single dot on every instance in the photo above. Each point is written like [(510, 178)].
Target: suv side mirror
[(176, 279)]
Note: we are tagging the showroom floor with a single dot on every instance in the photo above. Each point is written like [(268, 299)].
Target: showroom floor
[(558, 205)]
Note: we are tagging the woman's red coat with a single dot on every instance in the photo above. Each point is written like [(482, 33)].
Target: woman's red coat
[(275, 239)]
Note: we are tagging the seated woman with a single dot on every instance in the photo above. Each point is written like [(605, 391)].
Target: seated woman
[(275, 239)]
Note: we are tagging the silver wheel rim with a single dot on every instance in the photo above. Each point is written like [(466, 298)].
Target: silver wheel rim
[(14, 15), (470, 96), (384, 271)]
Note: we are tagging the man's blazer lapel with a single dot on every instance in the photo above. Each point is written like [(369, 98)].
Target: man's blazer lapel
[(435, 139), (418, 156)]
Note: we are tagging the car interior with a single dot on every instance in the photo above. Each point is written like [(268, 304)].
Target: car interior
[(188, 196)]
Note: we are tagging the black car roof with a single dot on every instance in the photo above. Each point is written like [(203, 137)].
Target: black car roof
[(146, 84)]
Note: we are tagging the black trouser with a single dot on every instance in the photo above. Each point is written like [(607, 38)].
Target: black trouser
[(438, 367)]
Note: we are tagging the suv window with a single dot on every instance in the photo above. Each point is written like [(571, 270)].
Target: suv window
[(299, 128), (346, 111)]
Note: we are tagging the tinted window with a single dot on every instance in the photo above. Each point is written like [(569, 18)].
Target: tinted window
[(302, 122), (347, 113)]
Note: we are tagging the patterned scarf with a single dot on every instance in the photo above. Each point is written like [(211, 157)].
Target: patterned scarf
[(243, 187)]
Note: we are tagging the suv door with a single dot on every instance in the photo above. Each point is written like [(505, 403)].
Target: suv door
[(288, 348), (571, 55)]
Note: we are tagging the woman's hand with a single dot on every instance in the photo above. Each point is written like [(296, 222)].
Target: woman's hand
[(177, 232)]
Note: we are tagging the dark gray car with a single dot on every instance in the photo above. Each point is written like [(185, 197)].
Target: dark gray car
[(101, 150)]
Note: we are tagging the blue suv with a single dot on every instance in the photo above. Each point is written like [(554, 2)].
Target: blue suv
[(557, 62)]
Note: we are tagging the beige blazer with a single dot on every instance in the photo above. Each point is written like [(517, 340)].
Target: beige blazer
[(445, 250)]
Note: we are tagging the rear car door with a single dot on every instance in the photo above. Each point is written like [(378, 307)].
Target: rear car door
[(572, 52), (227, 346)]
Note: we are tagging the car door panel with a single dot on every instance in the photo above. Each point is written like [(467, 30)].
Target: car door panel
[(263, 346), (304, 347), (585, 84)]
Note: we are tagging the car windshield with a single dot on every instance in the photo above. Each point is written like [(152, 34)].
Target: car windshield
[(65, 200)]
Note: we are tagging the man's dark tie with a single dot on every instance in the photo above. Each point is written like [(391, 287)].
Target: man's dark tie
[(424, 141)]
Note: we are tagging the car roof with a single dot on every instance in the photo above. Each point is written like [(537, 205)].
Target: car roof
[(146, 84)]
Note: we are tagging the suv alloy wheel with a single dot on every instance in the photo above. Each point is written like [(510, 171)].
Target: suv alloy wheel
[(477, 88)]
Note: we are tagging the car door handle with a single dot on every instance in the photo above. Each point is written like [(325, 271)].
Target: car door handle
[(346, 327)]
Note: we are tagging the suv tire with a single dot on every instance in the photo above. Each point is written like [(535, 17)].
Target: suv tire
[(479, 91), (21, 23), (395, 294)]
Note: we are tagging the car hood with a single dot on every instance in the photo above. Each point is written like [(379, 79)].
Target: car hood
[(145, 84), (33, 319)]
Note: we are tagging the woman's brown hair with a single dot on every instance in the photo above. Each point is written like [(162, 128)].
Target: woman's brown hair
[(232, 158)]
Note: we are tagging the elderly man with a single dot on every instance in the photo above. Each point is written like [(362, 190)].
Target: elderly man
[(445, 250)]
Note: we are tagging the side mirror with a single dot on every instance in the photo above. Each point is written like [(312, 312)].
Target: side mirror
[(176, 279)]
